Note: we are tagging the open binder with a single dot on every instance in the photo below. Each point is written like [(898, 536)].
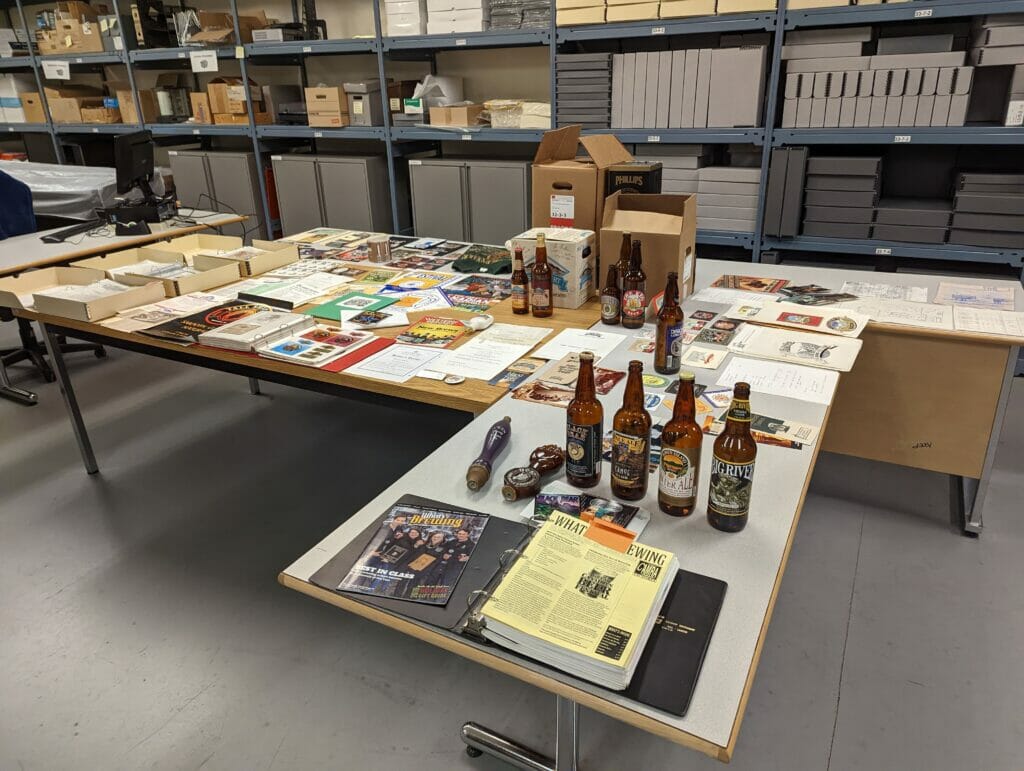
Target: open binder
[(671, 661)]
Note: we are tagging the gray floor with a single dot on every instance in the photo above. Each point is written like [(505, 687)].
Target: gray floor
[(142, 625)]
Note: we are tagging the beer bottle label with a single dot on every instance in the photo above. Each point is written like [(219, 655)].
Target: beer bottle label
[(634, 304), (519, 297), (740, 410), (677, 480), (609, 307), (729, 495), (541, 298), (629, 459), (582, 449), (673, 345)]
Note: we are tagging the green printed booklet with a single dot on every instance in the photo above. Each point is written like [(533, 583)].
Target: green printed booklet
[(334, 309)]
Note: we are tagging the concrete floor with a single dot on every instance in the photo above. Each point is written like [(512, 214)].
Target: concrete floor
[(142, 625)]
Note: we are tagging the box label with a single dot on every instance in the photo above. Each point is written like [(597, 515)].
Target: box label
[(54, 70), (1015, 113), (203, 61), (357, 106), (563, 210)]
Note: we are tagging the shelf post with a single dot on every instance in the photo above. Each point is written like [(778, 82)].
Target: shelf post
[(34, 61), (770, 113)]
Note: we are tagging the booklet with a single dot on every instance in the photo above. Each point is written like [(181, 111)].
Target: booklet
[(334, 309), (186, 330), (315, 347), (433, 331)]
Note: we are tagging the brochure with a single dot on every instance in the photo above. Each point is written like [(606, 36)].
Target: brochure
[(433, 331)]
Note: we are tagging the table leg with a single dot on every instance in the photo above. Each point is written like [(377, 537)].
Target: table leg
[(254, 386), (968, 495), (7, 391), (70, 402), (479, 740)]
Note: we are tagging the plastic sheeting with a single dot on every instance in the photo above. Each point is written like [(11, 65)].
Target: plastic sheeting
[(74, 192)]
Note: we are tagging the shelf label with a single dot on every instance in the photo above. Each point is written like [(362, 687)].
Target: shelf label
[(460, 41), (78, 60), (657, 30), (182, 55), (95, 131), (883, 252), (318, 135), (203, 61), (902, 139), (307, 49), (56, 70), (195, 131), (466, 137), (923, 13), (239, 52), (654, 138)]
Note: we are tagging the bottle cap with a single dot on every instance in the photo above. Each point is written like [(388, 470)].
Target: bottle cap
[(586, 355), (685, 374)]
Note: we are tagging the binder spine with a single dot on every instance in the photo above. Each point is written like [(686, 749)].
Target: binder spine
[(475, 624)]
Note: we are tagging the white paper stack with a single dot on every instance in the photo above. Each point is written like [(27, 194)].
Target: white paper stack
[(456, 16), (255, 330), (405, 17)]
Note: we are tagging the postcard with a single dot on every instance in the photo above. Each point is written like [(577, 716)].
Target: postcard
[(541, 393), (729, 325), (703, 315), (433, 331), (751, 283), (642, 345), (491, 287), (715, 336), (705, 358)]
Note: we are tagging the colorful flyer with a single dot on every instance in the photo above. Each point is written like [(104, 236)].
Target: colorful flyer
[(751, 283), (433, 331), (413, 280)]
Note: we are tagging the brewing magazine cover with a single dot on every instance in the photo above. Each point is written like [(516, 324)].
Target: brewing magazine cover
[(418, 554)]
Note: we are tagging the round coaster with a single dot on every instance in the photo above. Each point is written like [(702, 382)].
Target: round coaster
[(655, 381), (454, 379)]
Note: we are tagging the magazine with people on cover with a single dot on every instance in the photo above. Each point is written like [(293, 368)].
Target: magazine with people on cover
[(417, 554)]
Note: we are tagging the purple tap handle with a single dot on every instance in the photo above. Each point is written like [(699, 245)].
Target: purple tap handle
[(496, 441)]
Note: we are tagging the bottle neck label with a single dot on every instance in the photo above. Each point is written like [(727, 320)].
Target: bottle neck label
[(739, 411)]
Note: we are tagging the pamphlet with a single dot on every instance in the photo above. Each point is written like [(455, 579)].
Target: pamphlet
[(332, 310), (396, 363), (577, 340), (418, 279), (831, 321), (828, 352), (186, 330), (990, 322), (433, 331)]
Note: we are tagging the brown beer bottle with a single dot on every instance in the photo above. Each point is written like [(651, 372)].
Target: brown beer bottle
[(634, 291), (541, 295), (668, 345), (631, 440), (610, 311), (624, 251), (680, 454), (584, 429), (520, 284), (732, 466)]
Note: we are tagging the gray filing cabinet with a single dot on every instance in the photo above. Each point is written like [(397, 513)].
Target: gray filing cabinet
[(486, 201), (337, 191), (220, 181)]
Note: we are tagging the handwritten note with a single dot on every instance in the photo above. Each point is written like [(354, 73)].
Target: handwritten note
[(1006, 323), (976, 295), (769, 377)]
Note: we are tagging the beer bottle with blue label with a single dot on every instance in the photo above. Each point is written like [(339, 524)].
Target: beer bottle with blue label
[(631, 440), (732, 466), (668, 342), (584, 429)]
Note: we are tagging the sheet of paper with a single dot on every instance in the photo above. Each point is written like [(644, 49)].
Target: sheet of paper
[(480, 358), (999, 298), (778, 379), (419, 300), (810, 348), (230, 292), (85, 292), (576, 340), (396, 363), (911, 314), (1008, 323), (516, 334), (722, 296), (705, 358), (865, 289), (830, 321)]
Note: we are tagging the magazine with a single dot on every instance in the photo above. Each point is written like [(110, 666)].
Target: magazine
[(418, 554)]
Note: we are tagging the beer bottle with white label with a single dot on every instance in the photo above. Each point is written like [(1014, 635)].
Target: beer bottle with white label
[(584, 429), (520, 284), (540, 298), (680, 454), (631, 440), (732, 466), (667, 340), (634, 291), (610, 312)]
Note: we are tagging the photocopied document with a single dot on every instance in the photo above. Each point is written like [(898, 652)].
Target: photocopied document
[(396, 363), (722, 296), (778, 379), (911, 314), (576, 340), (988, 321), (489, 353), (865, 289), (998, 298), (810, 348)]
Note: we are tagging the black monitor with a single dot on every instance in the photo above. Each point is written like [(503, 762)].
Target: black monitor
[(133, 159)]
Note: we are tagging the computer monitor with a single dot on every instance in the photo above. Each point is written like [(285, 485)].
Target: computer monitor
[(133, 160)]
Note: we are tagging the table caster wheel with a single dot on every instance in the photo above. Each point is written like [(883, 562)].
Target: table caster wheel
[(473, 752), (101, 353)]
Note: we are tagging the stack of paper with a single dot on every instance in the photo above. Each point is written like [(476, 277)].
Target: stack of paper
[(315, 347), (826, 352), (294, 292), (255, 330)]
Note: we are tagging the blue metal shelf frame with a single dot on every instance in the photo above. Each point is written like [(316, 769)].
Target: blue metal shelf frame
[(733, 22), (491, 39), (72, 58), (953, 135), (956, 252), (197, 130), (24, 128), (725, 238), (143, 55), (95, 128), (312, 47), (312, 132), (400, 133), (914, 11), (753, 136)]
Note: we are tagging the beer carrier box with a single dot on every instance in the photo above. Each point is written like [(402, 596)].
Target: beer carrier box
[(572, 255), (569, 192), (635, 177), (666, 227)]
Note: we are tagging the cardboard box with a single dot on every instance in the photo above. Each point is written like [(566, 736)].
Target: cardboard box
[(580, 16), (458, 115), (634, 177), (100, 115), (227, 95), (327, 119), (665, 225), (218, 27), (572, 255), (208, 278), (66, 102), (200, 244), (231, 119), (147, 100), (14, 290), (274, 254), (568, 192), (674, 9), (632, 12), (32, 104), (201, 112)]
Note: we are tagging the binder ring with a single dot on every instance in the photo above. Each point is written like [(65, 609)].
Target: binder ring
[(475, 595), (505, 557)]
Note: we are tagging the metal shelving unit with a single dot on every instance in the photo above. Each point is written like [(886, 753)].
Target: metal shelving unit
[(312, 132), (953, 135), (493, 39), (910, 11), (400, 133), (197, 130), (24, 128), (899, 249), (733, 22), (311, 47), (95, 128), (753, 136), (175, 54)]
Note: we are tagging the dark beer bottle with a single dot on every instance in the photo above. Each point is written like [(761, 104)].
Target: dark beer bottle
[(634, 291), (680, 454), (624, 250), (631, 440), (584, 429), (610, 312), (668, 344), (541, 296), (520, 284), (732, 466)]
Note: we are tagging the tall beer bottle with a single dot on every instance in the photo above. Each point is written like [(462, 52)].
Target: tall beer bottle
[(541, 295), (631, 440), (584, 429), (732, 466), (520, 284), (624, 251), (610, 310), (634, 291), (680, 454), (668, 343)]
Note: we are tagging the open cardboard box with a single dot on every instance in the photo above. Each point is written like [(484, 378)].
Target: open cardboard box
[(273, 254), (569, 192), (208, 278), (666, 227), (20, 292), (200, 243)]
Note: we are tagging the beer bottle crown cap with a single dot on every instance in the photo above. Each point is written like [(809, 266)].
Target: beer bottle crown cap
[(685, 374), (586, 356)]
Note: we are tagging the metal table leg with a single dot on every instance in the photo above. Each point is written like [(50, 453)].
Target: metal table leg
[(254, 386), (19, 395), (70, 402), (479, 740), (968, 495)]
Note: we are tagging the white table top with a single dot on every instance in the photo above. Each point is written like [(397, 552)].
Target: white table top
[(27, 251)]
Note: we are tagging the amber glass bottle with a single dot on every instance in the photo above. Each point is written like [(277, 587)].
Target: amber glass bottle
[(634, 291), (610, 311), (541, 296), (732, 466), (667, 342), (624, 251), (680, 454), (584, 429), (631, 440), (520, 284)]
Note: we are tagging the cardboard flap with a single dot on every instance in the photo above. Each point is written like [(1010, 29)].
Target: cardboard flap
[(632, 212), (558, 145), (605, 150)]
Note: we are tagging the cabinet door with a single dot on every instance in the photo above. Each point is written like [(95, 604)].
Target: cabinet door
[(346, 193), (438, 208), (298, 197), (190, 179), (236, 189), (499, 201)]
